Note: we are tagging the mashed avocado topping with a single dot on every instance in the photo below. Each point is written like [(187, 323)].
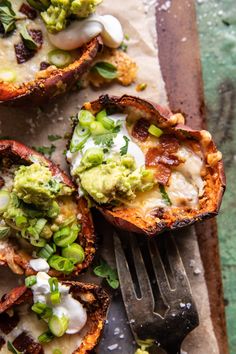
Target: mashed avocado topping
[(40, 209), (117, 179)]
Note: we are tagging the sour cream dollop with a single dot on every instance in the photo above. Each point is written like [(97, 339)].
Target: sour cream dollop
[(81, 32), (133, 149), (69, 307)]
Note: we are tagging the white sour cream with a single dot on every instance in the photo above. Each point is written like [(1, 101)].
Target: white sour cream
[(81, 32), (68, 306), (133, 149), (39, 265)]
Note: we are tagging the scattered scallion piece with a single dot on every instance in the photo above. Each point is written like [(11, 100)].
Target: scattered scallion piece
[(124, 149), (55, 295), (164, 195), (42, 310), (154, 130), (59, 58), (4, 200), (30, 281), (4, 231), (46, 252), (107, 122), (85, 118), (61, 264), (66, 236), (105, 271), (56, 351), (46, 337), (40, 242), (74, 252), (96, 128), (58, 325), (40, 225), (79, 138), (12, 348), (20, 220)]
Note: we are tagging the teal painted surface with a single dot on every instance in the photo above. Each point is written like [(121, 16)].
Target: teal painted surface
[(217, 28)]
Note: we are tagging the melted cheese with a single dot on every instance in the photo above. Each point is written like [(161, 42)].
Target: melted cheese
[(26, 71)]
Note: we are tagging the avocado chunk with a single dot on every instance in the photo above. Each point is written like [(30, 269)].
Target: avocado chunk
[(118, 179)]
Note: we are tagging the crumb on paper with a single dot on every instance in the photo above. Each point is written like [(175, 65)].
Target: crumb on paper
[(126, 68), (112, 347), (166, 6), (197, 271)]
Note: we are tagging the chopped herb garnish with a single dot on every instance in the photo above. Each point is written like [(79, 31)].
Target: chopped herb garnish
[(164, 195), (123, 47), (27, 39), (105, 69), (141, 87), (7, 16), (105, 271), (127, 37), (12, 348), (46, 150), (106, 139), (124, 149), (54, 137)]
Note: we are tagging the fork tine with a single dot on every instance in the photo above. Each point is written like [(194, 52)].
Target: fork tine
[(159, 270), (142, 275), (178, 270), (128, 292)]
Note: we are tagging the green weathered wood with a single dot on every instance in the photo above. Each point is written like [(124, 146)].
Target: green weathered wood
[(217, 27)]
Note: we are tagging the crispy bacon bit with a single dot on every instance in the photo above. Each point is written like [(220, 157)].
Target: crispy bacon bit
[(2, 342), (162, 158), (26, 344), (162, 174), (169, 143), (8, 323), (28, 11), (12, 297), (44, 65), (2, 182), (140, 129), (23, 54), (157, 155), (37, 36)]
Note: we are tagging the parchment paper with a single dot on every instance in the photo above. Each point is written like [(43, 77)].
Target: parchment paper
[(32, 126)]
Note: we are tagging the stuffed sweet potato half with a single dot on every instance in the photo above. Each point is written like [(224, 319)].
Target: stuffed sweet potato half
[(142, 167), (52, 317), (47, 45), (43, 224)]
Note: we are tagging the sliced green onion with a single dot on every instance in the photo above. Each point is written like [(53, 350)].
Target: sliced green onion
[(39, 5), (20, 220), (46, 337), (74, 252), (56, 351), (107, 122), (46, 232), (40, 242), (85, 118), (154, 130), (42, 310), (12, 348), (7, 75), (96, 128), (61, 264), (79, 138), (164, 195), (46, 251), (58, 325), (55, 295), (54, 211), (4, 200), (4, 231), (40, 225), (66, 236), (59, 58), (30, 281)]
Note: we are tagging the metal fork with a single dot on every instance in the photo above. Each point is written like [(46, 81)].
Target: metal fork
[(155, 290)]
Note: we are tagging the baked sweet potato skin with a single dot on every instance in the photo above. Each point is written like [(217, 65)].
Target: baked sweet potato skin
[(53, 82), (97, 306), (174, 124), (19, 153)]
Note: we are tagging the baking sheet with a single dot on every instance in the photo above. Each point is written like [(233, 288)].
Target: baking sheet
[(32, 126)]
